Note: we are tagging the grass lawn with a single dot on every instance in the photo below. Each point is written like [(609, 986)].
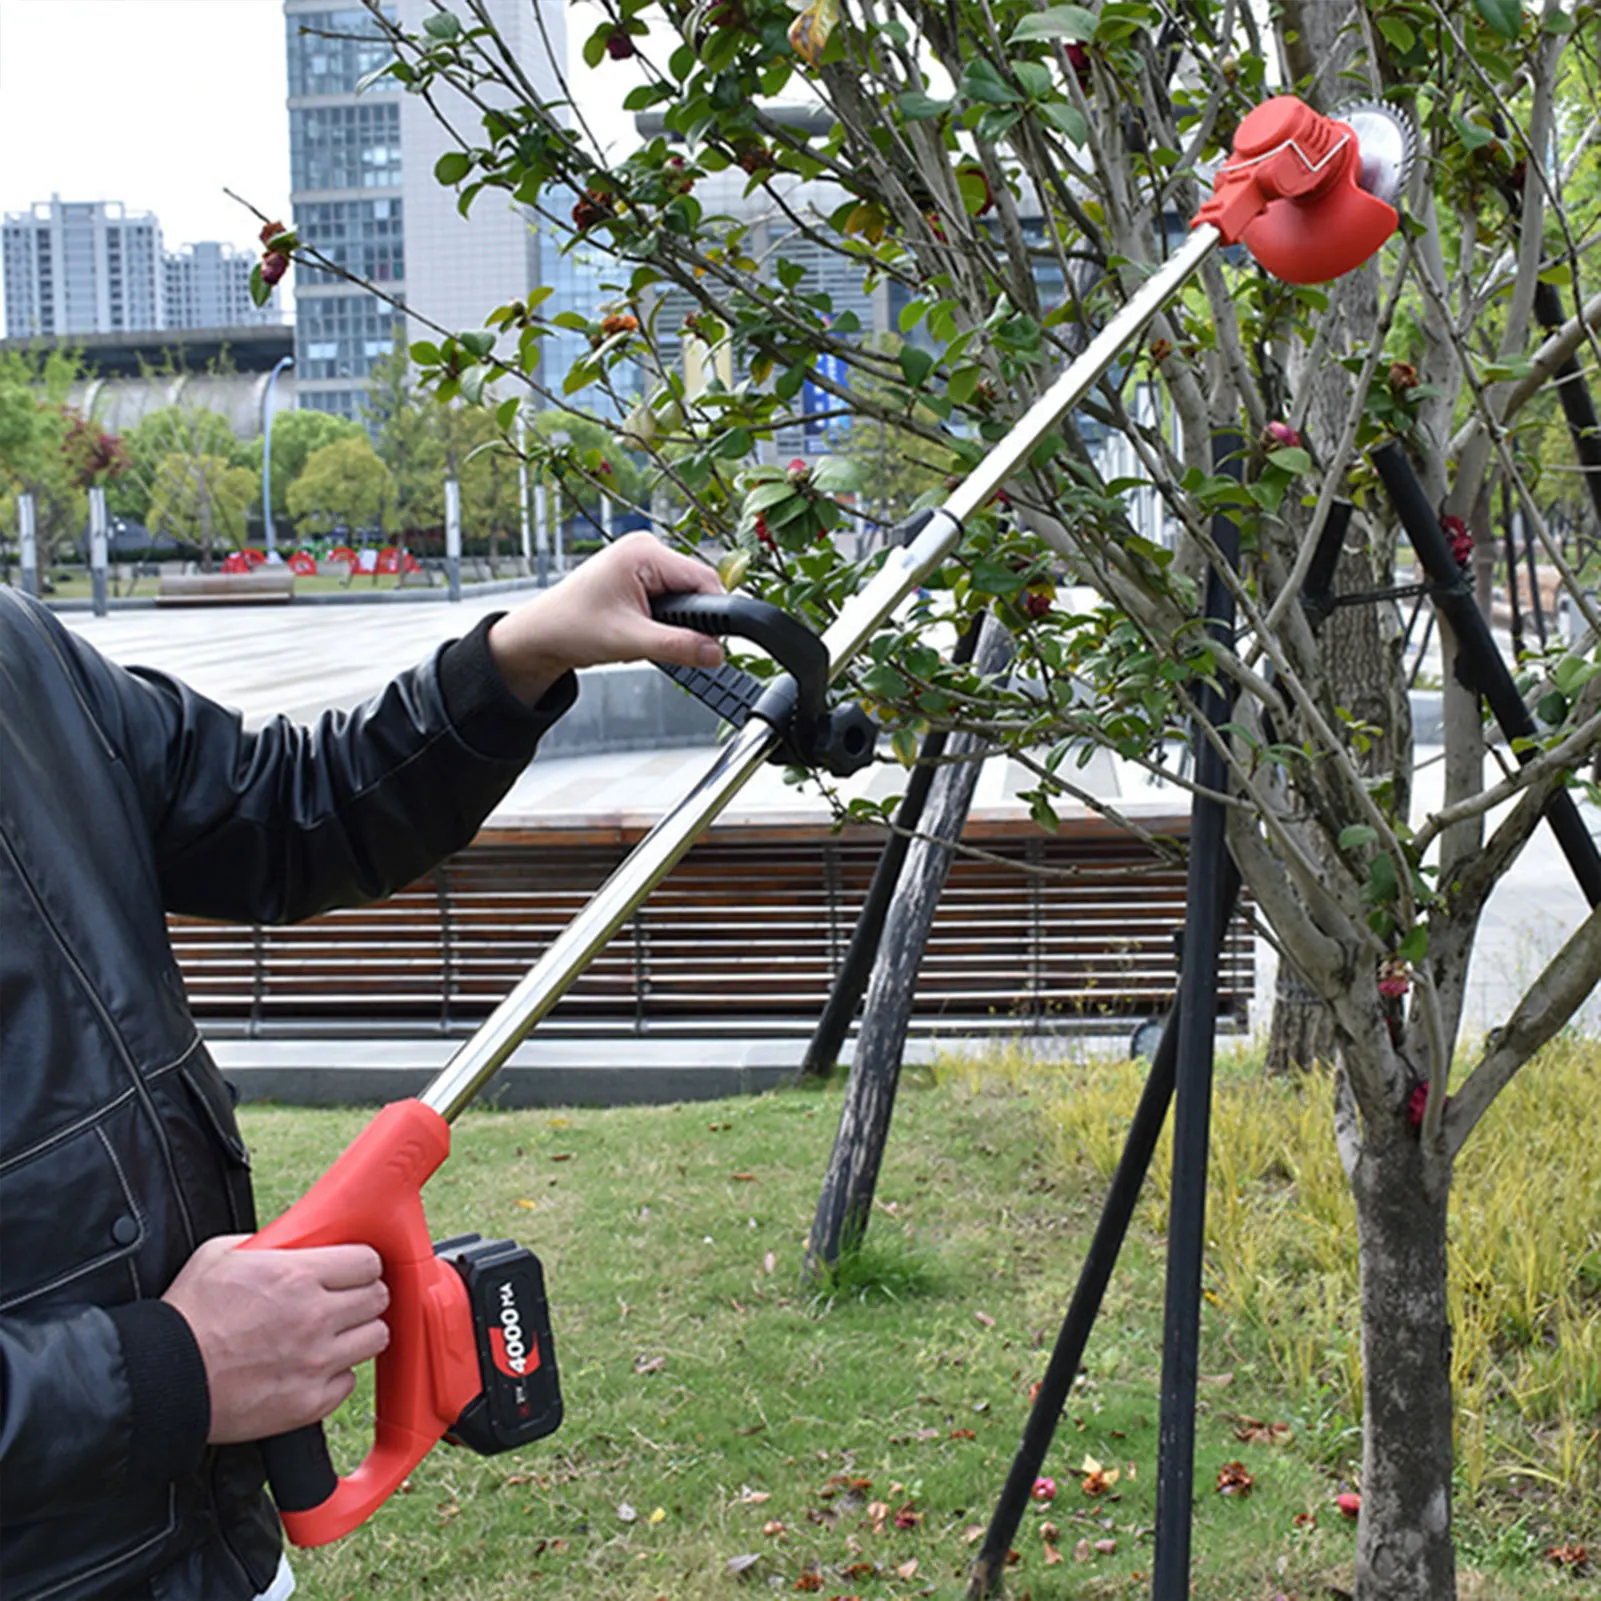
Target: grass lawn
[(730, 1432)]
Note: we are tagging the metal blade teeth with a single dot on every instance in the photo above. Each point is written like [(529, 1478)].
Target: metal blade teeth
[(1389, 145)]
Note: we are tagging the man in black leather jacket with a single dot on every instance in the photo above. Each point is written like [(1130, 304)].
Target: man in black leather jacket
[(140, 1353)]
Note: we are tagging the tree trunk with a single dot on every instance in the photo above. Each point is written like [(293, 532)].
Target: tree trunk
[(846, 1200), (1404, 1550), (1302, 1031)]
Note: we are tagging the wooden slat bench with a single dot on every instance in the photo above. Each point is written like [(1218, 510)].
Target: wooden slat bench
[(752, 925)]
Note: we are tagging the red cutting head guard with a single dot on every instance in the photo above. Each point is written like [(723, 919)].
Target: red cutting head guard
[(1292, 193)]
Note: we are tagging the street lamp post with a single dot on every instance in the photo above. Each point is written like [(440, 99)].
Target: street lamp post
[(453, 537), (522, 488), (266, 450)]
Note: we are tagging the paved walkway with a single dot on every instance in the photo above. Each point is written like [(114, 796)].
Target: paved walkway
[(301, 659)]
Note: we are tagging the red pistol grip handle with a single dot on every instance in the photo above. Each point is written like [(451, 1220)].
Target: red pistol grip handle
[(372, 1195)]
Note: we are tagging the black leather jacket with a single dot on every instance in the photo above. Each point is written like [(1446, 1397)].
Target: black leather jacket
[(124, 794)]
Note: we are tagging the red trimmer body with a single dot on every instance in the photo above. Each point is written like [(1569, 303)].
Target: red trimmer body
[(1292, 193)]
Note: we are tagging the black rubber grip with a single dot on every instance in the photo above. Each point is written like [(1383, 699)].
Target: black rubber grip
[(300, 1472), (729, 691), (786, 639)]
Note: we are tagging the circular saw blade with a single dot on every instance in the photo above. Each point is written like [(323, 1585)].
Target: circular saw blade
[(1389, 145)]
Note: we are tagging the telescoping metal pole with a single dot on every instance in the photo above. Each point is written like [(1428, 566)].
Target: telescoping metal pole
[(482, 1056)]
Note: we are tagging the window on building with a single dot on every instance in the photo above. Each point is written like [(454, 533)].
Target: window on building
[(330, 52)]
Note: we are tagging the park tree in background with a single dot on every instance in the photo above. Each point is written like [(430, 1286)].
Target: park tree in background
[(47, 450), (343, 489), (201, 499), (422, 444), (176, 430), (1008, 174), (296, 436)]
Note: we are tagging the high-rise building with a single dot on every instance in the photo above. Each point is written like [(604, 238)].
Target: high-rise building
[(364, 194), (82, 267), (208, 286)]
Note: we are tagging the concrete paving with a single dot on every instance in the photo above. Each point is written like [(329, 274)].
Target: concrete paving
[(300, 660)]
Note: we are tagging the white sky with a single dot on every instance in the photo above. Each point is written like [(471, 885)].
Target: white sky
[(160, 104)]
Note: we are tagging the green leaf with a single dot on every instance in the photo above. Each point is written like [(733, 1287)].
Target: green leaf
[(1572, 673), (921, 107), (883, 682), (1035, 78), (982, 81), (1060, 22), (996, 123), (1067, 120), (995, 579), (1416, 945), (1382, 883), (368, 79), (1552, 708), (1356, 836), (765, 495), (916, 365), (425, 353), (1043, 813), (582, 375), (480, 341), (904, 743), (1399, 33), (1292, 459), (442, 25), (1504, 16), (453, 166), (506, 413), (838, 475)]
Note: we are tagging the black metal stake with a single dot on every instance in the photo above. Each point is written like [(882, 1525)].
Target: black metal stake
[(1183, 1059), (1192, 1117), (1480, 664), (1117, 1212)]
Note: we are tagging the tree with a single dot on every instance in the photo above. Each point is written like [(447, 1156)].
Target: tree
[(45, 450), (188, 475), (1007, 176), (200, 498), (296, 437), (343, 488)]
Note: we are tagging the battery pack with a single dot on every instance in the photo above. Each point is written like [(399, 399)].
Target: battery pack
[(521, 1396)]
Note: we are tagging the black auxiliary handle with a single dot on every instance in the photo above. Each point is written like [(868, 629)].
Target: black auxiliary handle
[(840, 739)]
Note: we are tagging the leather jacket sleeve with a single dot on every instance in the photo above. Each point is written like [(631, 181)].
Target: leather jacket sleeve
[(267, 825), (96, 1400), (279, 823)]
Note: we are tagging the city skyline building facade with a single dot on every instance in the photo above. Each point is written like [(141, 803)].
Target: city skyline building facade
[(74, 268), (363, 193), (82, 267), (208, 286)]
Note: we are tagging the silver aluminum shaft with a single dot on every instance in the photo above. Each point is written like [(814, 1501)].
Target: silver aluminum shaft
[(481, 1056)]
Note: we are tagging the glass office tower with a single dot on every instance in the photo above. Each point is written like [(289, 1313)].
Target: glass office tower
[(364, 193)]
